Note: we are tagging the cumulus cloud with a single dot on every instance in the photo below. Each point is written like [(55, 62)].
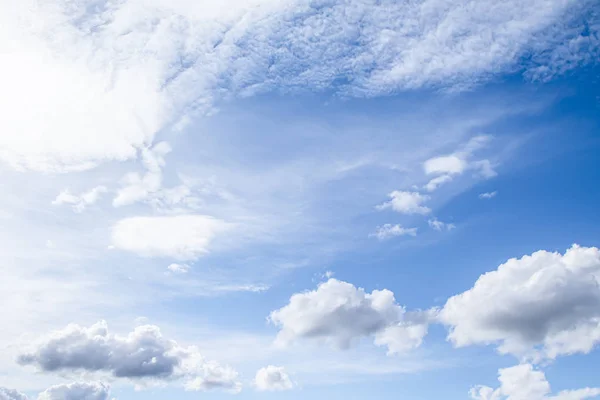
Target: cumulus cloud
[(272, 378), (340, 314), (406, 203), (488, 195), (104, 74), (80, 202), (76, 391), (143, 354), (439, 226), (182, 237), (71, 391), (11, 394), (388, 231), (452, 164), (541, 305), (523, 382), (216, 376)]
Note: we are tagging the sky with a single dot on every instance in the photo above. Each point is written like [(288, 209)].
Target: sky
[(293, 199)]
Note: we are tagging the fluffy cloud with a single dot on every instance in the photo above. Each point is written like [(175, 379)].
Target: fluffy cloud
[(71, 391), (487, 195), (452, 164), (406, 203), (340, 314), (523, 382), (76, 391), (83, 85), (407, 334), (143, 354), (388, 231), (216, 376), (182, 237), (10, 394), (542, 305), (272, 378), (80, 202), (439, 226)]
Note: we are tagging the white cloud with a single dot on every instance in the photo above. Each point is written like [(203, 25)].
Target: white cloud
[(183, 237), (452, 164), (179, 268), (406, 335), (137, 188), (523, 382), (457, 163), (76, 391), (388, 231), (406, 203), (488, 195), (439, 226), (436, 182), (143, 354), (80, 202), (542, 305), (216, 377), (340, 314), (272, 378), (11, 394), (109, 77)]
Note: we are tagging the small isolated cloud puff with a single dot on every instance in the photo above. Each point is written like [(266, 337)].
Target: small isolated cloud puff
[(439, 226), (523, 382), (541, 306), (179, 268), (272, 378), (452, 164), (340, 314), (80, 202), (388, 231), (216, 377), (143, 354), (406, 203), (488, 195), (183, 237), (76, 391)]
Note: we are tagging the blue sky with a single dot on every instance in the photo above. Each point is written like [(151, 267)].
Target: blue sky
[(292, 198)]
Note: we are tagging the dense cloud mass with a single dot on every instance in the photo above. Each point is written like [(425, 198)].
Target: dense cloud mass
[(142, 354), (523, 382), (135, 78), (272, 378), (11, 394), (70, 391), (76, 391), (338, 313), (545, 303)]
